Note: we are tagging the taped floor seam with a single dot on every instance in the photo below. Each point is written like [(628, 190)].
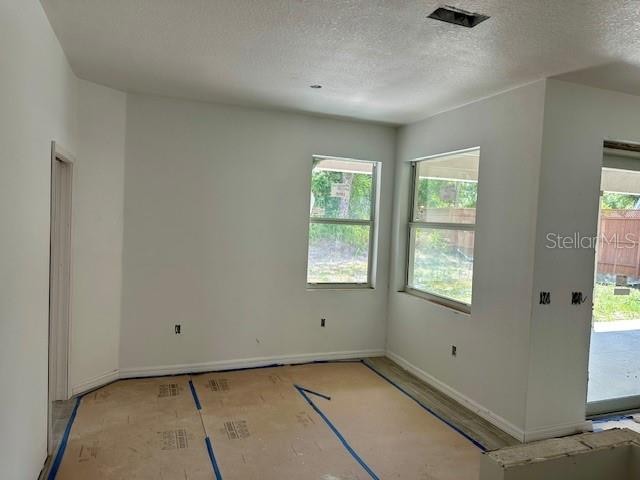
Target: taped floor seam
[(303, 391), (207, 440), (53, 472), (428, 409)]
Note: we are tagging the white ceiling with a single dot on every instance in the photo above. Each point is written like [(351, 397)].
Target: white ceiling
[(378, 60), (620, 76)]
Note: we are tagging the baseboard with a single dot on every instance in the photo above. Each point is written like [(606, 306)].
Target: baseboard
[(504, 425), (497, 420), (95, 382), (244, 363), (557, 431), (472, 405)]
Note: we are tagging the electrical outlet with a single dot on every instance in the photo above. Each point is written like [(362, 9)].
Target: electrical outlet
[(454, 350), (323, 321), (178, 329)]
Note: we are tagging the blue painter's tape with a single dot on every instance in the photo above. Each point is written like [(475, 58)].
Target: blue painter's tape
[(143, 377), (321, 395), (195, 395), (337, 433), (63, 443), (346, 360), (612, 418), (55, 466), (212, 457), (442, 419), (239, 369)]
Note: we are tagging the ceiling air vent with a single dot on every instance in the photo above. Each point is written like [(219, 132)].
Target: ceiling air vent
[(458, 16)]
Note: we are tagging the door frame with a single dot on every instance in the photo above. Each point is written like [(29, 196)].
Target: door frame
[(631, 403), (60, 280)]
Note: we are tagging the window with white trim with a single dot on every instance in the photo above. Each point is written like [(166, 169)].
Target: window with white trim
[(442, 228), (342, 222)]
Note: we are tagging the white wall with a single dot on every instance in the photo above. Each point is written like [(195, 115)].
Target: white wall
[(42, 100), (520, 364), (622, 162), (490, 369), (200, 249), (576, 121), (97, 238), (215, 237), (37, 105)]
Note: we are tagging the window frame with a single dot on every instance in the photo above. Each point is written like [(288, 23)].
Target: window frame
[(413, 225), (371, 222)]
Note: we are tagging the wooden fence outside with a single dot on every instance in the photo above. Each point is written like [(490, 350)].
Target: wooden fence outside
[(619, 242)]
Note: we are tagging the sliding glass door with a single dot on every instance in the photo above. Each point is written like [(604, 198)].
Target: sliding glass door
[(614, 360)]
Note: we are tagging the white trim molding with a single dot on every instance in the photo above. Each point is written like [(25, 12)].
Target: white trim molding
[(60, 271), (552, 431), (494, 419), (112, 376), (61, 153), (245, 363), (472, 405), (518, 433), (95, 382)]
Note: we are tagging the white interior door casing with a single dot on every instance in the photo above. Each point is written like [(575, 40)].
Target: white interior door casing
[(60, 272)]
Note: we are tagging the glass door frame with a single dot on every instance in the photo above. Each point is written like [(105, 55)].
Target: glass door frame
[(618, 404)]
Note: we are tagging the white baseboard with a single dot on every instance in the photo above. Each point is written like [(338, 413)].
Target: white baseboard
[(95, 382), (244, 363), (557, 431), (472, 405), (497, 420), (503, 424)]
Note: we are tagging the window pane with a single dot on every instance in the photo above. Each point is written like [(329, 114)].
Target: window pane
[(616, 296), (447, 189), (338, 253), (341, 189), (442, 262)]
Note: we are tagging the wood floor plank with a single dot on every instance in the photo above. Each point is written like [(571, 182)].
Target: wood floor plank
[(469, 422)]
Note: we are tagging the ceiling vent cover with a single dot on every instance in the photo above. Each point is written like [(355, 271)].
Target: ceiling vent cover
[(458, 17)]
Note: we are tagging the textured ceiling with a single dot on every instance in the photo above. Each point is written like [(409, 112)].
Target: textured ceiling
[(620, 76), (378, 60)]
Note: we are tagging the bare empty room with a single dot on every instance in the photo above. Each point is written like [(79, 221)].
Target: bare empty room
[(320, 239)]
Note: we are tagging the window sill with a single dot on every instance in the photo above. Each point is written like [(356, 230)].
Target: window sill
[(339, 286), (457, 307)]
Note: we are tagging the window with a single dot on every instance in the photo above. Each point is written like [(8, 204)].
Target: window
[(342, 222), (442, 228)]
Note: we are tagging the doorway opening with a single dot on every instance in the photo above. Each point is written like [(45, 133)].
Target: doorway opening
[(614, 363), (59, 285)]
